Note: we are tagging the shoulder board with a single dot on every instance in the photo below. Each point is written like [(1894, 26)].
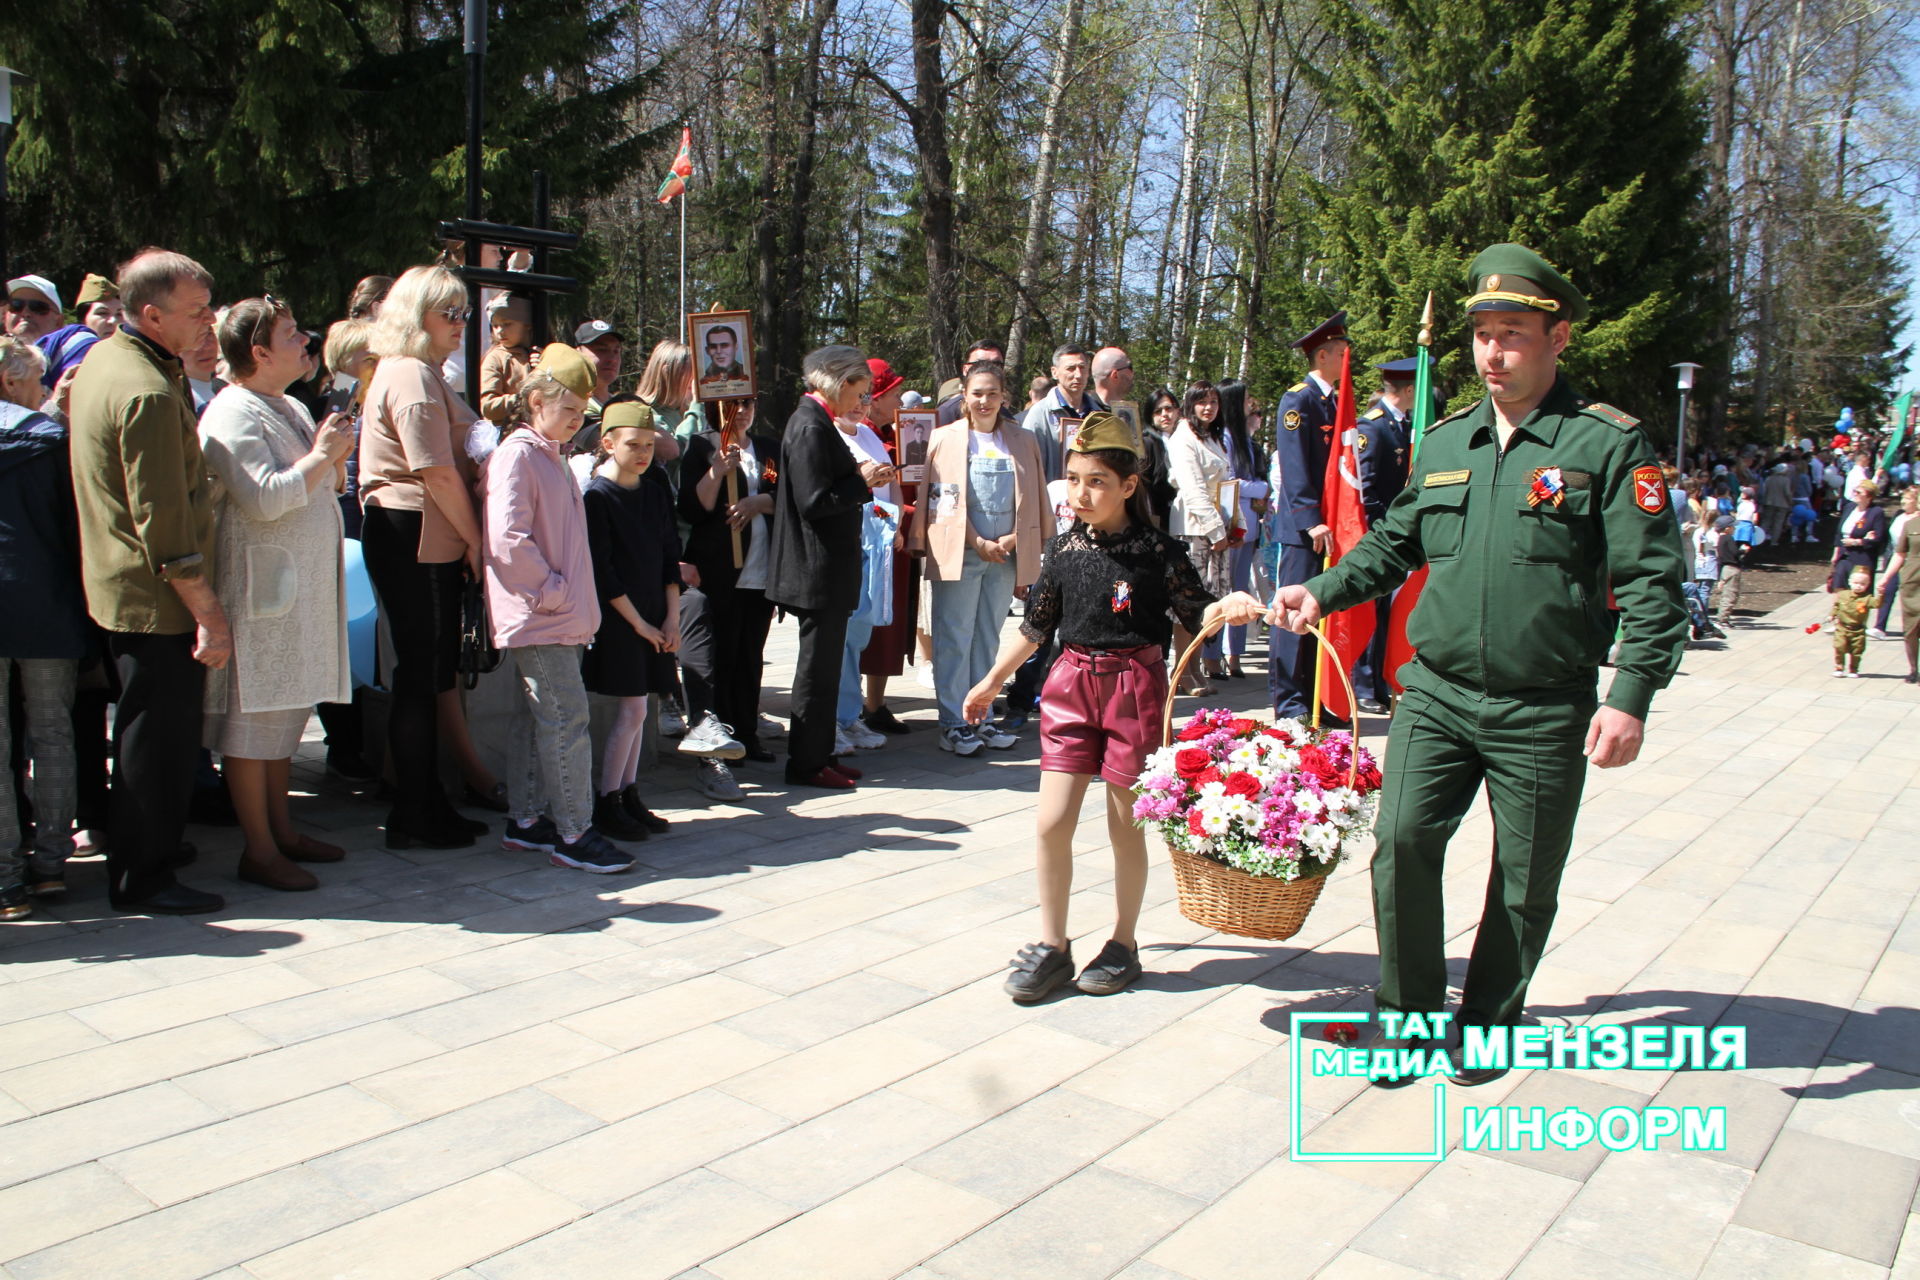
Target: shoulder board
[(1298, 386), (1372, 414), (1610, 415), (1454, 416)]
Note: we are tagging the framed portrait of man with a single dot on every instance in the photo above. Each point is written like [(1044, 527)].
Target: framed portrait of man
[(1129, 412), (913, 430), (722, 343)]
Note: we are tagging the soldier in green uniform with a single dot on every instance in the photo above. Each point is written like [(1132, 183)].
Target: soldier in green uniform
[(1530, 508)]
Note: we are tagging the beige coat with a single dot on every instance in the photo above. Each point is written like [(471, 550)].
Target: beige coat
[(940, 519)]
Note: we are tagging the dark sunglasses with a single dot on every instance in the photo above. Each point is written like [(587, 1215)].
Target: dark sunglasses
[(35, 305)]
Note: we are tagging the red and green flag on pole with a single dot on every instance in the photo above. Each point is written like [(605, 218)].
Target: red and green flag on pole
[(1344, 509), (676, 183), (1399, 650)]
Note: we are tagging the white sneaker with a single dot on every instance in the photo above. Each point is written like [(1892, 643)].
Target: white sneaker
[(1855, 675), (842, 745), (711, 738), (961, 740), (1878, 633), (1838, 674), (923, 675), (673, 721), (716, 781), (863, 738), (994, 736), (771, 728)]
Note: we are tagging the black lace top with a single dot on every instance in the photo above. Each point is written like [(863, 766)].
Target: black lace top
[(1114, 591)]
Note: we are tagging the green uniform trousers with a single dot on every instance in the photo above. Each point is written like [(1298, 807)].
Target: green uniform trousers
[(1444, 742)]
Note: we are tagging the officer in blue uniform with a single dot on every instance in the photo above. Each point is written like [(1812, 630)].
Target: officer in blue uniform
[(1385, 447), (1303, 436)]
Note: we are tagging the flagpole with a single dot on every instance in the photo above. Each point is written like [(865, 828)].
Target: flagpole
[(1423, 382), (683, 257)]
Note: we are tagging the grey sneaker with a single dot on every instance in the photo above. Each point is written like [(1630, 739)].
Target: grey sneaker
[(1114, 969), (592, 852), (994, 736), (673, 721), (1038, 971), (961, 740), (717, 781), (713, 739)]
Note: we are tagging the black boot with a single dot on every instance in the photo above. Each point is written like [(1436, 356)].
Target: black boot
[(636, 809), (611, 819)]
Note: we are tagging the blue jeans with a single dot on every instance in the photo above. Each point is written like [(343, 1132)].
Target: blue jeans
[(549, 754), (847, 710), (967, 617), (1240, 570)]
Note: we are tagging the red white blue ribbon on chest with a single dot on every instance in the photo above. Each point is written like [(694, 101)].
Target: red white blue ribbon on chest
[(1548, 486), (1123, 597)]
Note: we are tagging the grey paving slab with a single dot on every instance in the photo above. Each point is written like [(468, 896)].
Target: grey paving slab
[(779, 1047)]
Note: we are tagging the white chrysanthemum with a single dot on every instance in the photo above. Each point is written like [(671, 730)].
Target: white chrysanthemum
[(1246, 757), (1240, 809), (1215, 821), (1320, 838), (1291, 727), (1341, 800), (1307, 801), (1160, 761)]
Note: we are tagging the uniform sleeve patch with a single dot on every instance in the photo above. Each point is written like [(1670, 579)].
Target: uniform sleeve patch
[(1293, 419), (1649, 490)]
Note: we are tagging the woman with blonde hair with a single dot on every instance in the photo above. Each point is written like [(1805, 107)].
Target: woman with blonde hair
[(421, 535)]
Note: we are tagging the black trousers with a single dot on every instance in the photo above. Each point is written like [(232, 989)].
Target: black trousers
[(723, 642), (1024, 693), (816, 691), (156, 742), (421, 603)]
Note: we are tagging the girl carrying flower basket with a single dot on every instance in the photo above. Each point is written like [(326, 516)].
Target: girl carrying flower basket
[(1106, 585)]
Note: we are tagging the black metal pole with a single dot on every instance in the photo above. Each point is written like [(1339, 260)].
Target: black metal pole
[(6, 272), (542, 314), (476, 51)]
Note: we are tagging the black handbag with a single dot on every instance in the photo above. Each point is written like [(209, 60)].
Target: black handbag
[(477, 654)]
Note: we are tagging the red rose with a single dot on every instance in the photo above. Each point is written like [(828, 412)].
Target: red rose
[(1278, 734), (1369, 777), (1242, 784), (1195, 732), (1320, 766), (1243, 728), (1340, 1032), (1189, 761), (1206, 775)]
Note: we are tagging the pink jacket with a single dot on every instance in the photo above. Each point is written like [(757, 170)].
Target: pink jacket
[(539, 570)]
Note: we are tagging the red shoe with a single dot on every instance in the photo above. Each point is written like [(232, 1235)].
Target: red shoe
[(829, 778), (846, 771)]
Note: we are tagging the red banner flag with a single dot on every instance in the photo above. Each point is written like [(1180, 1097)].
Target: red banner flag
[(676, 183), (1342, 507), (1400, 650)]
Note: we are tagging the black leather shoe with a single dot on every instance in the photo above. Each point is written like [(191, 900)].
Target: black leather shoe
[(882, 720), (1013, 721), (183, 855), (1373, 706), (496, 799), (175, 900), (759, 754), (404, 833)]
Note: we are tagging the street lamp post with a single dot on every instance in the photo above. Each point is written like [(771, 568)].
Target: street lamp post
[(1686, 369)]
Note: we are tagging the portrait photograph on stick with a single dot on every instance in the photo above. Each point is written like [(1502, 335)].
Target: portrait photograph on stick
[(722, 343)]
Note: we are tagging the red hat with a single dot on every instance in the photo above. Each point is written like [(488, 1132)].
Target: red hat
[(884, 378)]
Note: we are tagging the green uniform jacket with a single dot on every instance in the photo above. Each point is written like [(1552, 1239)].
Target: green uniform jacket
[(142, 489), (1517, 594)]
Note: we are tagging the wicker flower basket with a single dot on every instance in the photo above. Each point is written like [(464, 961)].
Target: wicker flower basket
[(1227, 899)]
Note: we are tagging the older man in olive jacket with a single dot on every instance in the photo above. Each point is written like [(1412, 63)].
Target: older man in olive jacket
[(146, 540)]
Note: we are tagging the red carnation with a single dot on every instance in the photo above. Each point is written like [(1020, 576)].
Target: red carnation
[(1206, 775), (1194, 732), (1242, 784), (1189, 761), (1278, 734), (1193, 825), (1244, 728), (1340, 1032), (1317, 763)]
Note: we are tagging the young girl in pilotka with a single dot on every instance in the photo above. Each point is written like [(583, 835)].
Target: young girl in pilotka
[(1107, 586)]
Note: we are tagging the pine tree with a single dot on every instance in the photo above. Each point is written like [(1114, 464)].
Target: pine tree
[(292, 145), (1567, 125)]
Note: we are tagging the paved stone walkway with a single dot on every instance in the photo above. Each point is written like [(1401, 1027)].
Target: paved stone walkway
[(782, 1050)]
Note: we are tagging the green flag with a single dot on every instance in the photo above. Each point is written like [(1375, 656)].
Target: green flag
[(1899, 434), (1422, 385)]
